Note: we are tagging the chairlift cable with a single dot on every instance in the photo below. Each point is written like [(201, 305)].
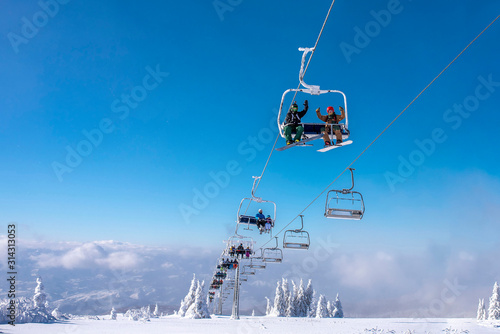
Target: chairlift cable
[(389, 125)]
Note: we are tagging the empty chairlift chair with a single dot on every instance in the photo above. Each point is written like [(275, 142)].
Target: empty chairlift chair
[(247, 271), (297, 239), (257, 264), (272, 255), (345, 203)]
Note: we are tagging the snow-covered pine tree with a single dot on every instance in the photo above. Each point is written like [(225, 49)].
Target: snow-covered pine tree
[(146, 313), (286, 295), (40, 297), (309, 300), (269, 308), (58, 314), (198, 309), (40, 313), (322, 309), (253, 313), (301, 308), (314, 306), (330, 309), (189, 299), (291, 310), (494, 308), (279, 302), (337, 311), (112, 315), (481, 310), (156, 312)]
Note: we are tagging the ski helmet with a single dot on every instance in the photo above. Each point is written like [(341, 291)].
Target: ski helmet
[(330, 109)]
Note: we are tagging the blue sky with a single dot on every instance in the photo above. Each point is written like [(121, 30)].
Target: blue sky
[(219, 79)]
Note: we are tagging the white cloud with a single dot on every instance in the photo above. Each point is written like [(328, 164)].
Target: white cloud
[(167, 265), (120, 260), (90, 255)]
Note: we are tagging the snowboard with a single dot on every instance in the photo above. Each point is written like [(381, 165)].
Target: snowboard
[(300, 143), (328, 148)]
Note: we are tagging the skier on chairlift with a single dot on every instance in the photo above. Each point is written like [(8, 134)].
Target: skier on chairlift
[(332, 120), (261, 221), (292, 122)]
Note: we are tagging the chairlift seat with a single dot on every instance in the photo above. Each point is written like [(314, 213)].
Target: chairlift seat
[(272, 255), (344, 214), (257, 265), (295, 245)]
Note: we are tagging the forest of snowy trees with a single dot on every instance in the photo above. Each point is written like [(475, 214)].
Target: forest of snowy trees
[(300, 301), (493, 312)]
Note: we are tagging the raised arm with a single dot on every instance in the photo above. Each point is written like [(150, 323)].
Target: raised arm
[(321, 117), (342, 116)]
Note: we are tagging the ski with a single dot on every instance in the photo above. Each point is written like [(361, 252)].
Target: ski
[(300, 143), (328, 148)]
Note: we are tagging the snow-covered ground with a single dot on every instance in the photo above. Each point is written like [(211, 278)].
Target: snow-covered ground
[(249, 325)]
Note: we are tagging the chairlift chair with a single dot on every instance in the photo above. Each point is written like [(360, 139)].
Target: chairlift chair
[(345, 203), (312, 130), (257, 264), (244, 219), (297, 239), (247, 270), (272, 255), (237, 240)]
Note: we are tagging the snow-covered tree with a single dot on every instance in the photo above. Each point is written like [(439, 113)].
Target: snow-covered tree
[(58, 314), (330, 308), (291, 309), (40, 298), (198, 309), (481, 310), (308, 299), (27, 310), (133, 315), (300, 300), (286, 295), (156, 312), (253, 313), (146, 313), (112, 314), (269, 308), (279, 308), (337, 311), (494, 308), (189, 299), (322, 308)]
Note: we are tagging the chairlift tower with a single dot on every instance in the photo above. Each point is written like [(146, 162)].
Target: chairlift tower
[(219, 310), (236, 300)]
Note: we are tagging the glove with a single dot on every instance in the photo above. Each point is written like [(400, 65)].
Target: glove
[(340, 108), (306, 104), (317, 110)]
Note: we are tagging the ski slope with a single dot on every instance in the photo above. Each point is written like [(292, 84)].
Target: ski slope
[(249, 325)]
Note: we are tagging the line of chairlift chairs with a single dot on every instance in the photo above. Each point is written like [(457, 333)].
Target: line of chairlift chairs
[(340, 204)]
